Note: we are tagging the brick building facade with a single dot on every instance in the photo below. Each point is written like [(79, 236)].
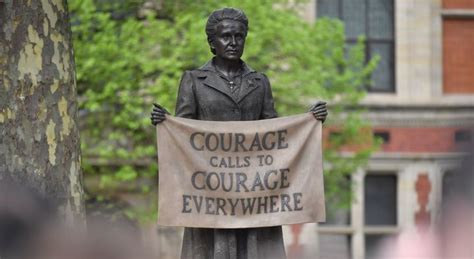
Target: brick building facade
[(421, 104)]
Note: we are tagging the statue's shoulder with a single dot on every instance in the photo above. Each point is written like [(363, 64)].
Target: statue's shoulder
[(252, 73), (198, 73), (201, 72), (206, 67), (258, 76)]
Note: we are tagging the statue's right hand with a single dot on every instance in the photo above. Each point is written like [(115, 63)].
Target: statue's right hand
[(158, 114)]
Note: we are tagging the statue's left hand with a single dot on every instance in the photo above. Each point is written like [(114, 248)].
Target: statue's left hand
[(319, 110)]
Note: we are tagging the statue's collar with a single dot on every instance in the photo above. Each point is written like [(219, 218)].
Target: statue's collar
[(209, 66)]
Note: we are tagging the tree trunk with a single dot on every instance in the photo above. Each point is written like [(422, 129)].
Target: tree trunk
[(39, 138)]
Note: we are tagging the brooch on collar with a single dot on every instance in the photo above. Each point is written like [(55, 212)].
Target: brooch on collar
[(250, 83)]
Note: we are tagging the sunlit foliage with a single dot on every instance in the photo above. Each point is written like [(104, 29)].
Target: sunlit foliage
[(130, 54)]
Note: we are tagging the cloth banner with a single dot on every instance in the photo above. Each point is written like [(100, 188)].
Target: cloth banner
[(240, 174)]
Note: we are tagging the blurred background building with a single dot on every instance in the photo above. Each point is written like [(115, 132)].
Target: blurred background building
[(421, 104)]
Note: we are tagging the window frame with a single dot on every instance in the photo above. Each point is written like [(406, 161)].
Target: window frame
[(357, 229), (392, 89)]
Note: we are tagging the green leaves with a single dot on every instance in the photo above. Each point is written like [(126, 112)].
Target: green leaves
[(125, 63), (126, 173)]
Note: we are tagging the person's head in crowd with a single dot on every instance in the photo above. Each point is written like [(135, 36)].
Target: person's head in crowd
[(457, 217), (23, 214), (30, 229)]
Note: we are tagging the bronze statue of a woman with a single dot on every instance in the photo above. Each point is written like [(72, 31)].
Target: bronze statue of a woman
[(226, 89)]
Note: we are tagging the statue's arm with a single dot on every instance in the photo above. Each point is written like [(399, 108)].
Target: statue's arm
[(268, 110), (186, 105)]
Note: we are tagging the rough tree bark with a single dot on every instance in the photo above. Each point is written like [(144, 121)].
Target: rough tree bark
[(39, 138)]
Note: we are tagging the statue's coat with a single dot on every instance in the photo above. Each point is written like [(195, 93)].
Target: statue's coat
[(203, 95)]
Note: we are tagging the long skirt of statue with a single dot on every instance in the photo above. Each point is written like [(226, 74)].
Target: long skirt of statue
[(246, 243)]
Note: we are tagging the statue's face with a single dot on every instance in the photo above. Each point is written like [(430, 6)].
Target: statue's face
[(229, 40)]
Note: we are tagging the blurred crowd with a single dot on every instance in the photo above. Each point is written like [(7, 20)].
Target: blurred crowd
[(30, 228), (452, 237)]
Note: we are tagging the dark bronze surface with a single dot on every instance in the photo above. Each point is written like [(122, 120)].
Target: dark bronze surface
[(226, 89)]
